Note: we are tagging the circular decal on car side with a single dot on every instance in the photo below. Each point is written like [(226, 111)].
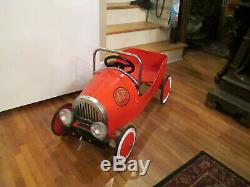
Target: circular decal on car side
[(121, 96)]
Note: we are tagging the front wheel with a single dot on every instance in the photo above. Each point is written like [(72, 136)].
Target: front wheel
[(125, 142), (57, 126), (165, 89)]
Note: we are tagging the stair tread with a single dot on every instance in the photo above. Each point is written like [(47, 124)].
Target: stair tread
[(161, 46), (113, 6), (130, 27)]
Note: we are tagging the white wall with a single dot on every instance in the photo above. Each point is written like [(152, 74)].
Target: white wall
[(46, 48)]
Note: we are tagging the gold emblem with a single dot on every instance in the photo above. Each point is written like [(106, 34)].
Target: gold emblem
[(121, 96)]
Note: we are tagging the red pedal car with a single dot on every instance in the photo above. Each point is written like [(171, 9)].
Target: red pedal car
[(113, 98)]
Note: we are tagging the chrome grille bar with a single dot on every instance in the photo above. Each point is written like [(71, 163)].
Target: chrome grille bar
[(89, 109)]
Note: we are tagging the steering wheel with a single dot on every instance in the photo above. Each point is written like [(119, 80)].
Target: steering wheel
[(121, 65)]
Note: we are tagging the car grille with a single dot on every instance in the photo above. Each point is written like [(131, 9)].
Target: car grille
[(88, 109)]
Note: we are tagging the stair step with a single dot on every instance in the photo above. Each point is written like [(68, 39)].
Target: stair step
[(130, 27), (129, 15), (113, 6), (118, 1), (174, 51), (161, 46)]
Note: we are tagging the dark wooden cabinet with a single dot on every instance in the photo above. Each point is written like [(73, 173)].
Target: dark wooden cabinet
[(233, 92)]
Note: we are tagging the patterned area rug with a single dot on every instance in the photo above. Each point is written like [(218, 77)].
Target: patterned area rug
[(203, 171)]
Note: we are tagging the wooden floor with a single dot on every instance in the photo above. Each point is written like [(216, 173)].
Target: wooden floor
[(168, 135)]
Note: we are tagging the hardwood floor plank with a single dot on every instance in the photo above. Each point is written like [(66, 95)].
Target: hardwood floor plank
[(25, 170), (33, 167)]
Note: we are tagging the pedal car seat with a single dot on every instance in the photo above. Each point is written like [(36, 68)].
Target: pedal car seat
[(151, 63)]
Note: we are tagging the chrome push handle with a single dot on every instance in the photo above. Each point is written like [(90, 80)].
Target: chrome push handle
[(138, 82)]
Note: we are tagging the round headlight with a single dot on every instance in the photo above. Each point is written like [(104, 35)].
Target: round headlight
[(99, 130), (66, 116)]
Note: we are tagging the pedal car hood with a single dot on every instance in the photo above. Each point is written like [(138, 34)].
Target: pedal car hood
[(116, 92), (105, 82)]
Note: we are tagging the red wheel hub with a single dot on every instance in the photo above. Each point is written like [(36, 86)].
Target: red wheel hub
[(167, 87), (126, 143), (165, 90), (56, 125)]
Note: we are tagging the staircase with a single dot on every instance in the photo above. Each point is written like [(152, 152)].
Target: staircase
[(126, 27)]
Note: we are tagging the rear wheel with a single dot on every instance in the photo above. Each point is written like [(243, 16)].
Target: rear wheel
[(165, 89), (57, 126), (125, 142)]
